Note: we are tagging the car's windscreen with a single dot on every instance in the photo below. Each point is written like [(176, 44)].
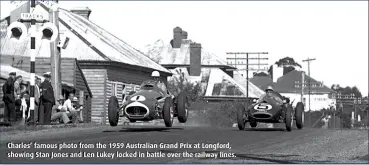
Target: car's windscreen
[(148, 84)]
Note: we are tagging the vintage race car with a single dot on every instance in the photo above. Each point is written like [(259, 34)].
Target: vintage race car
[(271, 109), (149, 103)]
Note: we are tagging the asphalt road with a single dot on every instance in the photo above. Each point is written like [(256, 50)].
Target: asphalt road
[(249, 146)]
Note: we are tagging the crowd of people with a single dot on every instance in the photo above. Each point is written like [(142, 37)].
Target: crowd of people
[(46, 108)]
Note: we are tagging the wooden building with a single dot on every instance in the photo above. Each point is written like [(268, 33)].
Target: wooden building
[(73, 80), (110, 66)]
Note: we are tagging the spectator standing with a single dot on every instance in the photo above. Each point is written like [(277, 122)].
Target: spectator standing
[(47, 99), (9, 98), (37, 99), (18, 93), (24, 97)]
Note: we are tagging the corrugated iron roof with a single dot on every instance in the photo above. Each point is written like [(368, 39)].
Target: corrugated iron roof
[(290, 83), (88, 42), (261, 81), (216, 82), (5, 69)]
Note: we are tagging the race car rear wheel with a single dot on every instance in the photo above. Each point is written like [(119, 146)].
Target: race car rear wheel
[(253, 124), (168, 112), (288, 118), (182, 107), (299, 115), (113, 113), (241, 117)]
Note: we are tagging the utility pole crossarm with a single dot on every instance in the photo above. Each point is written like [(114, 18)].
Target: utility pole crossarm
[(235, 58)]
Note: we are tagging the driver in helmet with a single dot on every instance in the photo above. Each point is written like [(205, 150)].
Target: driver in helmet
[(160, 85), (268, 93)]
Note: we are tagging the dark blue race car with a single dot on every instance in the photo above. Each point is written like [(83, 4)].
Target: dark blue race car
[(271, 108)]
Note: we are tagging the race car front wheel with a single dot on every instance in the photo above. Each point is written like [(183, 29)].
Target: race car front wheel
[(168, 112), (241, 117), (182, 107), (288, 118), (113, 113), (299, 115)]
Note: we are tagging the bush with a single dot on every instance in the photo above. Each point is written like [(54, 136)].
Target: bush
[(178, 83), (225, 115)]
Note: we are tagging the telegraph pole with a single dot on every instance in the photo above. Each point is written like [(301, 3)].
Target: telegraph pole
[(302, 84), (308, 61), (55, 58), (235, 58)]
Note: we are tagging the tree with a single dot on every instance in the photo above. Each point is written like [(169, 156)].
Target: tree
[(347, 90), (288, 64), (178, 83), (260, 74)]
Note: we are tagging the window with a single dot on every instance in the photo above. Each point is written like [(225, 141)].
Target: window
[(81, 96), (113, 89), (124, 93)]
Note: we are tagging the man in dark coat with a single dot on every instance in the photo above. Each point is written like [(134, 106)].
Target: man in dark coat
[(47, 98), (9, 99)]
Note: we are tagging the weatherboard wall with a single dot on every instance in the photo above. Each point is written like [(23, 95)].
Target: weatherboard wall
[(96, 79), (81, 84)]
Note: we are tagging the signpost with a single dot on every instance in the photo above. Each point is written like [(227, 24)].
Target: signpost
[(18, 31), (29, 16)]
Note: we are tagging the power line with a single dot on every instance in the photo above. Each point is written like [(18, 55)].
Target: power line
[(247, 63)]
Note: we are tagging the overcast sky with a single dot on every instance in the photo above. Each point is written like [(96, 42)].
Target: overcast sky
[(335, 33)]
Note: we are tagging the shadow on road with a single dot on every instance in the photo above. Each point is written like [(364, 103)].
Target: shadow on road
[(144, 130), (264, 129)]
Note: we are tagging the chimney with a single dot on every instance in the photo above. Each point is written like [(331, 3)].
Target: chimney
[(195, 59), (84, 12), (178, 36), (277, 72)]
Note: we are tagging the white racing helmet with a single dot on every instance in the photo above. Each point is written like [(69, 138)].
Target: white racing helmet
[(155, 74), (269, 88)]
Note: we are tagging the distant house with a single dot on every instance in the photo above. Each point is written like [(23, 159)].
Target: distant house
[(215, 75), (289, 85), (110, 66)]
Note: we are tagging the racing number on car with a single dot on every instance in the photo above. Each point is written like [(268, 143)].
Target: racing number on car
[(263, 107)]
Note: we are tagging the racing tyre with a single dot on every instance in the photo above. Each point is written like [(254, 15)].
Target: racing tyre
[(168, 112), (299, 114), (182, 108), (288, 118), (253, 124), (113, 113), (241, 117)]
